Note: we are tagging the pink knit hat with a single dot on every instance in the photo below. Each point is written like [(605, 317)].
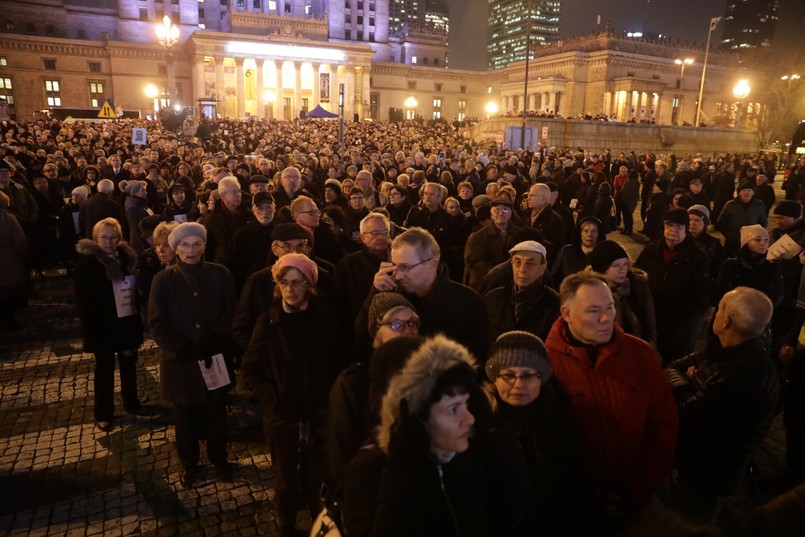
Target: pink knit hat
[(300, 262)]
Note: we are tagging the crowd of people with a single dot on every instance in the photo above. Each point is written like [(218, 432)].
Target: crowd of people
[(437, 329)]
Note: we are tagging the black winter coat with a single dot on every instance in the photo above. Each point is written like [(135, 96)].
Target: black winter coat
[(725, 411), (221, 226), (190, 309), (452, 309), (289, 371), (752, 271), (95, 299), (542, 311)]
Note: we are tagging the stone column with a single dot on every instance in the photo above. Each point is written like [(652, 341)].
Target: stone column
[(260, 88), (607, 103), (334, 88), (657, 101), (552, 102), (297, 89), (278, 100), (367, 93), (220, 90), (198, 79), (545, 101), (316, 86), (241, 89)]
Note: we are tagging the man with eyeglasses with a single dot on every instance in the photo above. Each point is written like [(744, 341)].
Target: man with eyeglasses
[(252, 242), (620, 401), (355, 272), (305, 213), (444, 306), (525, 302), (544, 219), (489, 245), (258, 290)]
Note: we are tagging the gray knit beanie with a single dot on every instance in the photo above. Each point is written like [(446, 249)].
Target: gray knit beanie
[(382, 303), (518, 349)]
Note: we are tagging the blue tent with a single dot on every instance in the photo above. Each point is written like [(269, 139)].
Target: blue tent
[(320, 112)]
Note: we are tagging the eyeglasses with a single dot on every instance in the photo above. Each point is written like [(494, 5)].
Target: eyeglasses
[(289, 247), (398, 325), (377, 233), (510, 378), (294, 284), (312, 211), (404, 267)]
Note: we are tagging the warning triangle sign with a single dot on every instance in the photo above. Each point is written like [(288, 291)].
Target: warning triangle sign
[(107, 112)]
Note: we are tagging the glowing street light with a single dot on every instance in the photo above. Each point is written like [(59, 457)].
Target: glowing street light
[(741, 91), (491, 109), (410, 104), (790, 77), (152, 93), (268, 99), (683, 63), (168, 35)]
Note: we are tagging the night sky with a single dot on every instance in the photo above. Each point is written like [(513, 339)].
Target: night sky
[(683, 19)]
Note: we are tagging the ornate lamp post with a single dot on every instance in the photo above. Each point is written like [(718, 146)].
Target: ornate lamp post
[(168, 35), (741, 90)]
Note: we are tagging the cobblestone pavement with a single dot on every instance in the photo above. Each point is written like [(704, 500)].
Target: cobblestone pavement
[(59, 475)]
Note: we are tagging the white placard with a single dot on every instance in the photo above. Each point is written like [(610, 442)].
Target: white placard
[(181, 218), (783, 248), (573, 203), (216, 376), (124, 296), (138, 136), (76, 225)]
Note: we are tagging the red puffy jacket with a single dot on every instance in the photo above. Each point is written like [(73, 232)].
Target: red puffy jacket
[(623, 407)]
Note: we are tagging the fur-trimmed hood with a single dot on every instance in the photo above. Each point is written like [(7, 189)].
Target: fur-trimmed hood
[(113, 270), (417, 380)]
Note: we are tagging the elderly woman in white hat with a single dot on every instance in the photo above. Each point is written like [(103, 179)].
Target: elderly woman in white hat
[(190, 315)]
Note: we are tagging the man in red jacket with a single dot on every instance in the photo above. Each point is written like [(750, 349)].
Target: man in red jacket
[(621, 403)]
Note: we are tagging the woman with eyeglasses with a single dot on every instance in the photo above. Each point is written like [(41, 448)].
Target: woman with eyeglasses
[(350, 421), (290, 364), (529, 399)]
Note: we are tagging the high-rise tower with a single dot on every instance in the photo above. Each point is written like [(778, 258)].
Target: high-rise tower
[(749, 24), (507, 28)]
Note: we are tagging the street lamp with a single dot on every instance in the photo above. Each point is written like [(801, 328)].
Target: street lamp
[(268, 98), (741, 90), (790, 77), (683, 63), (152, 93), (410, 104), (168, 35), (491, 109)]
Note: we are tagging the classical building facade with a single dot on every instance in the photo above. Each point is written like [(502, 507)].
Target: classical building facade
[(625, 79), (276, 59)]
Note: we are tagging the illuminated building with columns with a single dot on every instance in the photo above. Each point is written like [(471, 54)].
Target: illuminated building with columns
[(626, 79), (276, 59)]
